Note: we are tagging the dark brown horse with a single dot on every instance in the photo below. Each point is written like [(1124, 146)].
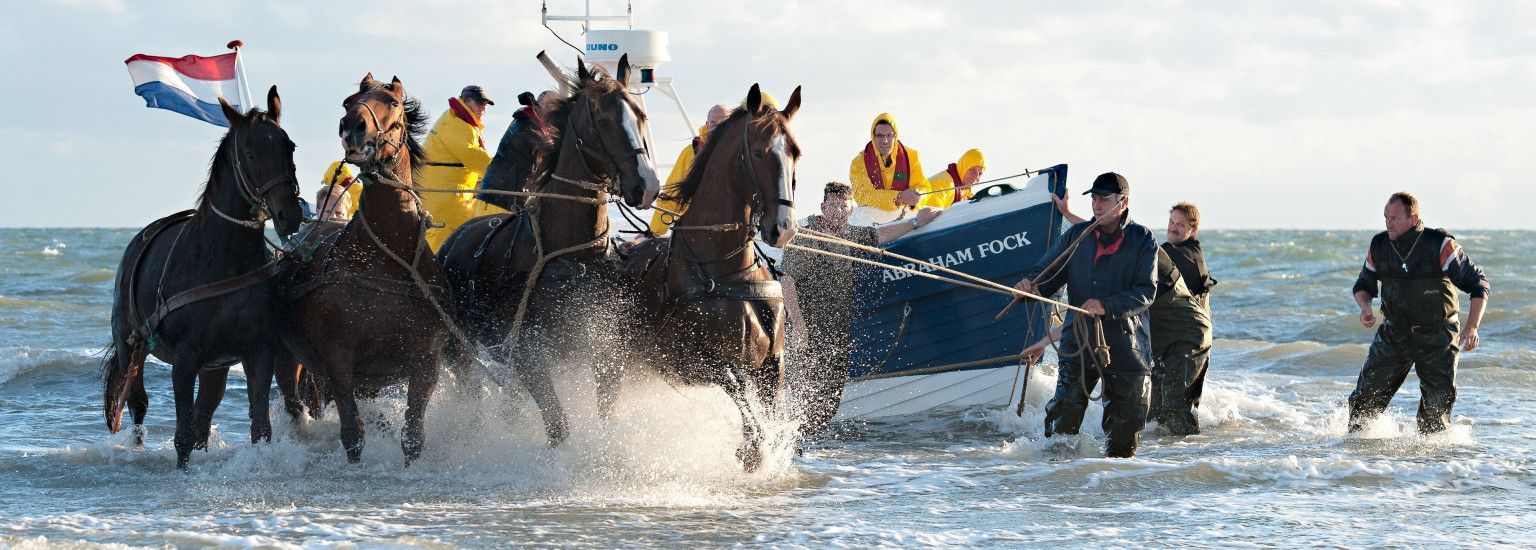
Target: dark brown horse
[(197, 290), (541, 276), (365, 308), (713, 310)]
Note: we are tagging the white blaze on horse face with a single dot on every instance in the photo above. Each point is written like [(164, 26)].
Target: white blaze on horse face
[(643, 164), (785, 220)]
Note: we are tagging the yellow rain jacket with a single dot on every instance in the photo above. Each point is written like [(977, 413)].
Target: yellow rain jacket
[(661, 222), (950, 179), (338, 173), (884, 197), (455, 159)]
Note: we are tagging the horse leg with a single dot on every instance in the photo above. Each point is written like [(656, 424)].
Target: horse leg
[(418, 392), (750, 452), (184, 383), (607, 378), (258, 377), (138, 402), (351, 421), (287, 371), (533, 370), (210, 392)]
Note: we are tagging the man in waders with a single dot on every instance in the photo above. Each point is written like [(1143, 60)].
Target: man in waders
[(1418, 270), (819, 299), (1181, 324), (1112, 274)]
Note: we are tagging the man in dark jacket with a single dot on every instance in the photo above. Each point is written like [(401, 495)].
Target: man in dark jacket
[(520, 147), (1111, 274), (1181, 324), (1418, 271)]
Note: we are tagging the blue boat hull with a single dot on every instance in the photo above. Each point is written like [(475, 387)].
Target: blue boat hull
[(907, 325)]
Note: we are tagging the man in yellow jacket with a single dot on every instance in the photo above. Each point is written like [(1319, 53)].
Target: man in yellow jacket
[(455, 159), (337, 199), (887, 176), (661, 221), (954, 183)]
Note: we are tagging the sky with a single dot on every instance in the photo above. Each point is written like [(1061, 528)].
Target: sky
[(1267, 114)]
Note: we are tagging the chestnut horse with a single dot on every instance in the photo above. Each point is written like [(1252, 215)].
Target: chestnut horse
[(366, 307), (714, 312), (197, 289), (538, 277)]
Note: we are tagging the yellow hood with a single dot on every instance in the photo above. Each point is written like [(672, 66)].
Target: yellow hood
[(332, 175), (971, 159), (888, 119)]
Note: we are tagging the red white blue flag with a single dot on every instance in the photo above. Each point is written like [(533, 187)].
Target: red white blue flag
[(190, 85)]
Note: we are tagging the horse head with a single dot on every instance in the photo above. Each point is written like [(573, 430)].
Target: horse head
[(376, 128), (261, 158), (603, 113), (767, 160)]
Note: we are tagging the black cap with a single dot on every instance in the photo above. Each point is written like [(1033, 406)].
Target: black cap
[(1109, 183), (475, 92)]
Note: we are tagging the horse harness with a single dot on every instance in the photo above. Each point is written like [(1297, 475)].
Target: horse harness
[(144, 328), (735, 286)]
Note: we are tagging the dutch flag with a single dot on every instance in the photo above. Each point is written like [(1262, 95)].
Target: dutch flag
[(190, 85)]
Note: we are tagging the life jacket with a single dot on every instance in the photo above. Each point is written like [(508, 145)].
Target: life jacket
[(954, 174), (900, 180), (1414, 288)]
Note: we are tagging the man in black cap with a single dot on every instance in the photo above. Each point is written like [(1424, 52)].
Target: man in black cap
[(1112, 275), (1418, 270)]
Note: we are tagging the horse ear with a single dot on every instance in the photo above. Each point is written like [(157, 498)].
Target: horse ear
[(231, 113), (794, 104), (623, 74), (362, 86), (274, 105), (754, 99), (396, 86), (582, 74)]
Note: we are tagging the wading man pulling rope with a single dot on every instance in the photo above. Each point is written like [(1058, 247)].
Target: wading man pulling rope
[(1112, 275), (818, 296)]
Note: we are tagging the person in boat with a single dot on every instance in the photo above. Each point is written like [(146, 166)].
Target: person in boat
[(887, 176), (661, 220), (518, 149), (337, 198), (1113, 275), (818, 296), (1181, 324), (953, 185), (455, 158), (1416, 271)]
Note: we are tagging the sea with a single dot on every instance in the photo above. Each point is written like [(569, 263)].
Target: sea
[(1274, 466)]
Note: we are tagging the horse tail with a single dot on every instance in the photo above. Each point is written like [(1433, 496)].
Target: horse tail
[(115, 378)]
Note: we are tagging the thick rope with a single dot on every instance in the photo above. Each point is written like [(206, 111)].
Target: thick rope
[(410, 268), (993, 286), (583, 200)]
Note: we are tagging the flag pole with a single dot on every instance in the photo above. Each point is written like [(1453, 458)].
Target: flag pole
[(245, 89)]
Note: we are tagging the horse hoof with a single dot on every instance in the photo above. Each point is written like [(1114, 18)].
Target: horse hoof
[(140, 433)]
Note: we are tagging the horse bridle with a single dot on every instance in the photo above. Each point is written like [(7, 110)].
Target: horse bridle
[(379, 131), (751, 172), (252, 194), (613, 182)]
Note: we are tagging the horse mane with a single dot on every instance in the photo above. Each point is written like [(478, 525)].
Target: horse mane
[(728, 135), (544, 162)]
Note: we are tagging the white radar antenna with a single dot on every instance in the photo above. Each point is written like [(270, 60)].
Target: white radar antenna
[(647, 52)]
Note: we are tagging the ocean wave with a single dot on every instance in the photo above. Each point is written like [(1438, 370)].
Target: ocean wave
[(17, 361)]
